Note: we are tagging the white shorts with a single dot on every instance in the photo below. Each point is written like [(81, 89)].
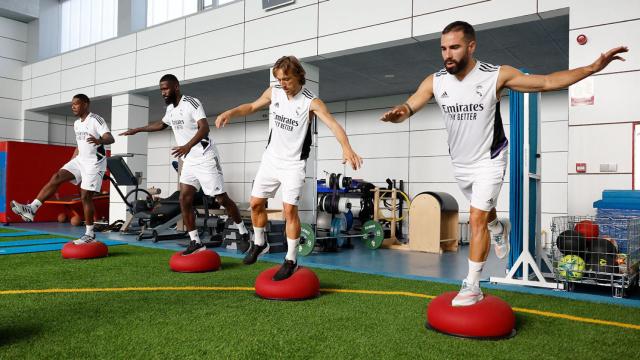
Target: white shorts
[(89, 176), (481, 182), (274, 172), (207, 174)]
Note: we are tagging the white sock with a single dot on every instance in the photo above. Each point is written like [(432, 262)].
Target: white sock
[(241, 228), (292, 249), (89, 231), (193, 234), (495, 227), (475, 270), (35, 204), (258, 237)]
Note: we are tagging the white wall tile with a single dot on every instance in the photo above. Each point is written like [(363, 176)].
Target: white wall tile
[(554, 136), (324, 131), (304, 20), (612, 103), (253, 151), (10, 68), (160, 57), (231, 133), (250, 171), (482, 15), (10, 129), (429, 143), (11, 109), (161, 34), (67, 96), (585, 189), (338, 16), (253, 9), (13, 49), (378, 170), (79, 57), (116, 68), (35, 131), (26, 89), (553, 197), (257, 131), (215, 19), (45, 85), (215, 68), (394, 33), (160, 139), (594, 12), (45, 67), (78, 77), (600, 144), (115, 87), (150, 81), (57, 134), (118, 46), (369, 146), (423, 7), (233, 172), (265, 58), (215, 44), (600, 40), (159, 156), (431, 169), (554, 167), (428, 118), (232, 152), (554, 106), (13, 29), (47, 100), (368, 122)]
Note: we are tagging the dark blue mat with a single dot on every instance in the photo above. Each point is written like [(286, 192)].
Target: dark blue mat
[(45, 247), (29, 242), (21, 233)]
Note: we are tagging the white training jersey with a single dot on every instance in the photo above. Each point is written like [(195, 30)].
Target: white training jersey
[(183, 120), (95, 125), (471, 112), (289, 125)]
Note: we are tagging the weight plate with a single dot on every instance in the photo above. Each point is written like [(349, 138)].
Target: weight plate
[(338, 225), (307, 240), (372, 234)]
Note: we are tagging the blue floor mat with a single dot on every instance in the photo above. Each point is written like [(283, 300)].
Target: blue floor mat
[(21, 233), (29, 242), (44, 247)]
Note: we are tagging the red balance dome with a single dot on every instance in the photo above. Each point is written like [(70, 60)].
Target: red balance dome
[(491, 318), (92, 250), (302, 285), (201, 261)]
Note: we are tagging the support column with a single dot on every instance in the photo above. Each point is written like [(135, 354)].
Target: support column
[(308, 201), (128, 111)]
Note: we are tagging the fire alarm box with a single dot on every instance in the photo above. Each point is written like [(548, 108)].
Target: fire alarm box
[(581, 167)]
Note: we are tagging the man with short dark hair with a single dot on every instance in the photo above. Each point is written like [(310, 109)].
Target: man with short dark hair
[(291, 107), (86, 167), (468, 93), (201, 168)]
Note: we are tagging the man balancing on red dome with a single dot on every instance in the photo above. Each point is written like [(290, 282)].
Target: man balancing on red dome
[(291, 106), (468, 93)]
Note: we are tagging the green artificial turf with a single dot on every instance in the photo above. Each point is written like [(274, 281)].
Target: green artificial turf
[(237, 324)]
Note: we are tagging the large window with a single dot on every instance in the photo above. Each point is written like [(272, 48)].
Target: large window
[(85, 22), (159, 11)]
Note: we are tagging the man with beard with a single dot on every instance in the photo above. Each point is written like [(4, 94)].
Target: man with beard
[(468, 93), (86, 168), (201, 168)]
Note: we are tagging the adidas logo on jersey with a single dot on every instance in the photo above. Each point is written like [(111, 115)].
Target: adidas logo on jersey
[(444, 95)]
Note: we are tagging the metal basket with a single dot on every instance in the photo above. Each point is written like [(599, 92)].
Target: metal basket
[(596, 250)]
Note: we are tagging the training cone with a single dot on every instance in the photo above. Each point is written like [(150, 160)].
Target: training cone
[(201, 261), (490, 318), (302, 285), (92, 250)]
